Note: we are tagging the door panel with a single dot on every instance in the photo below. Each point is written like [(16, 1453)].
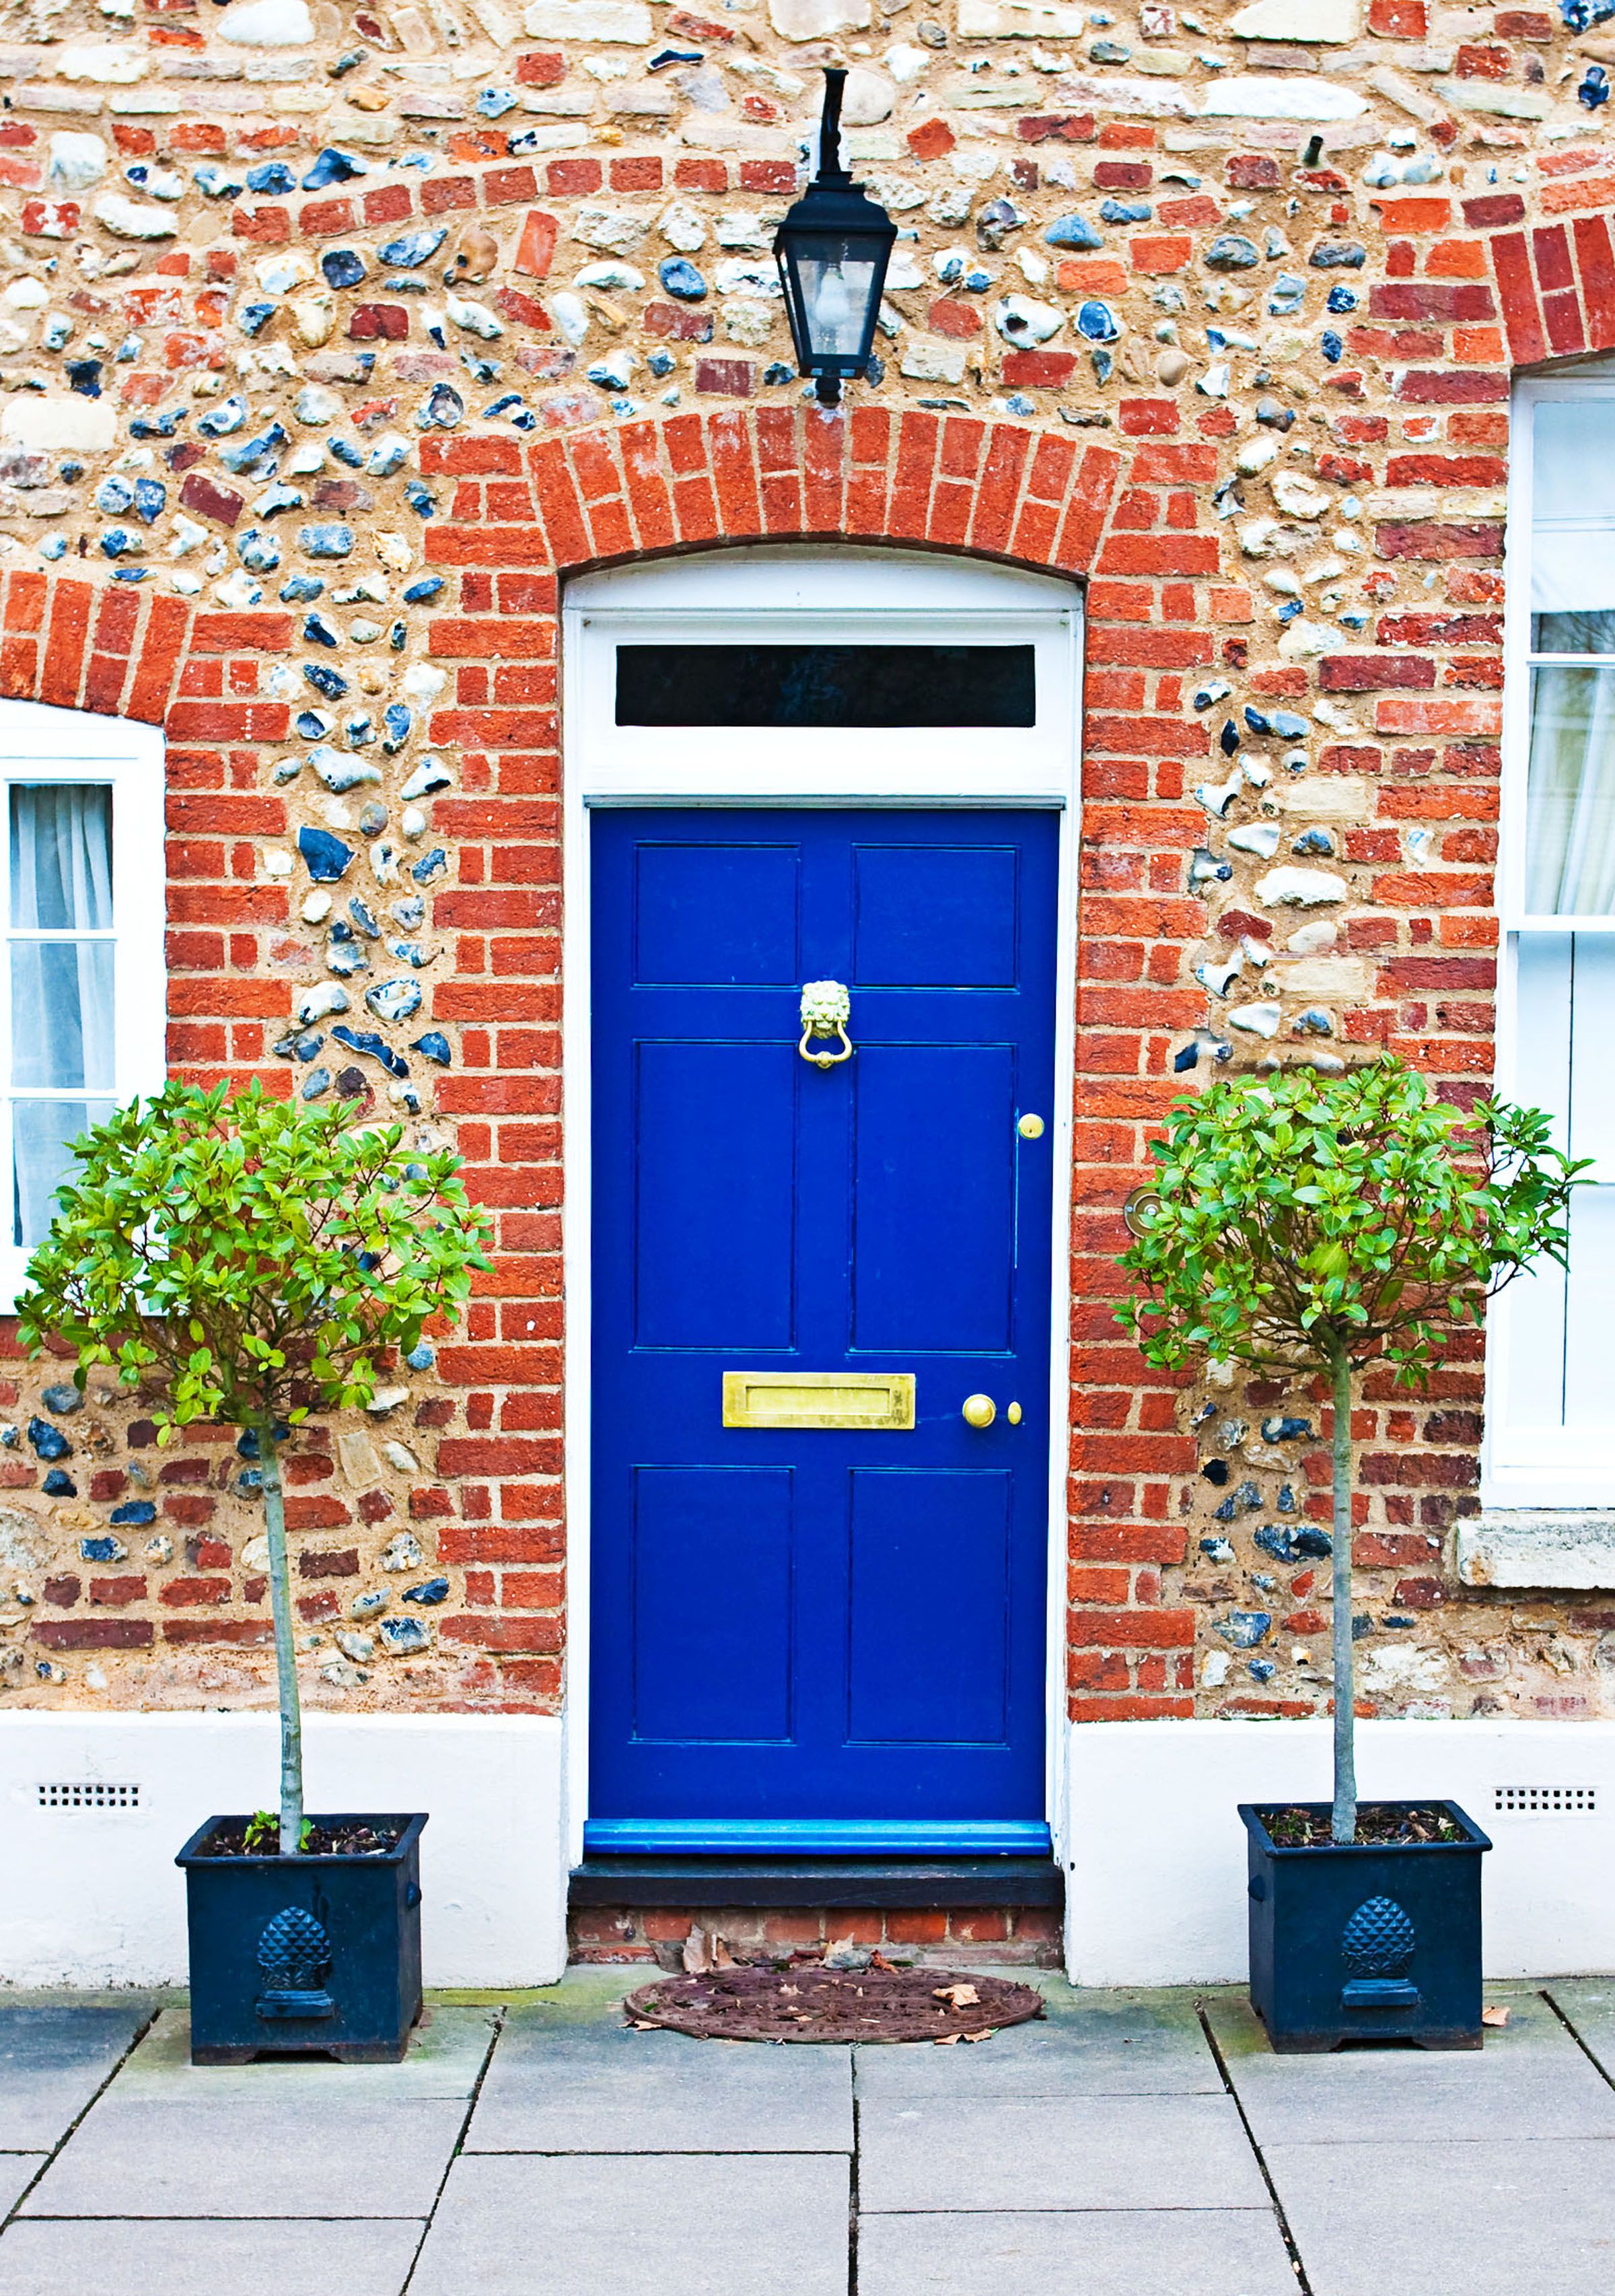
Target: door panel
[(716, 913), (711, 1622), (820, 1635), (935, 917), (711, 1133), (931, 1580), (933, 1198)]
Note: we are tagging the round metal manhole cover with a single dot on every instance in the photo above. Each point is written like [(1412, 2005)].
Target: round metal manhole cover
[(832, 2005)]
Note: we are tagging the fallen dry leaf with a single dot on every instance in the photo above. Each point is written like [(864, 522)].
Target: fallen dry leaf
[(643, 2025), (947, 2040), (1495, 2015), (703, 1954), (957, 1996), (984, 2036)]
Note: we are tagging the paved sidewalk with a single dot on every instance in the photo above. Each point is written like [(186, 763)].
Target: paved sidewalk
[(1131, 2144)]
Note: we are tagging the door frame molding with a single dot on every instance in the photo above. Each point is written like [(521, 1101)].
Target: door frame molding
[(721, 586)]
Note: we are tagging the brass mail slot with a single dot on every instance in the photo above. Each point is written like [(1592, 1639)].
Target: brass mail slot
[(818, 1398)]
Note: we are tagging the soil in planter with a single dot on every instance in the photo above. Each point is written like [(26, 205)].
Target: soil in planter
[(354, 1839), (832, 2005), (1381, 1826)]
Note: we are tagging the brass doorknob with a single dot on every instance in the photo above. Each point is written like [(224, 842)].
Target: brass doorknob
[(980, 1410)]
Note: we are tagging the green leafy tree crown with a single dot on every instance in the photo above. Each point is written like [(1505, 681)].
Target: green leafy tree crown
[(232, 1256), (225, 1254), (1292, 1217), (1312, 1223)]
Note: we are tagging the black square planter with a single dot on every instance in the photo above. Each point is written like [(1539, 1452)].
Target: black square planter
[(1359, 1942), (304, 1957)]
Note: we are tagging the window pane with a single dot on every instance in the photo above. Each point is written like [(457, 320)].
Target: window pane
[(62, 856), (1579, 633), (62, 1014), (1573, 506), (826, 686), (41, 1131), (1570, 857)]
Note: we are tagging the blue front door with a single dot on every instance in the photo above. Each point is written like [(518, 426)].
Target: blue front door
[(822, 1636)]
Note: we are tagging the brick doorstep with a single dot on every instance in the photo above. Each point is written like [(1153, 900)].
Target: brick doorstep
[(939, 1936)]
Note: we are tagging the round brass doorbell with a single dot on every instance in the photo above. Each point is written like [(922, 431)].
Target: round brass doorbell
[(1030, 1128)]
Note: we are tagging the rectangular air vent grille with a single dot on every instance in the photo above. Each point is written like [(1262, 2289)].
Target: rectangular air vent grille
[(89, 1797), (1542, 1802)]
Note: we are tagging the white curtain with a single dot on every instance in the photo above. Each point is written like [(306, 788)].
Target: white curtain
[(61, 1000), (1569, 858)]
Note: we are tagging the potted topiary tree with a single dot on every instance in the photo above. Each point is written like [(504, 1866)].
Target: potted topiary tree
[(245, 1260), (1312, 1226)]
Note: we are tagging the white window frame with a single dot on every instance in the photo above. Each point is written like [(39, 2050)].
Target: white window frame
[(1523, 1467), (41, 745)]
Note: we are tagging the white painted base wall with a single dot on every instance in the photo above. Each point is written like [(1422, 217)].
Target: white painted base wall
[(1155, 1863), (93, 1897), (1155, 1856)]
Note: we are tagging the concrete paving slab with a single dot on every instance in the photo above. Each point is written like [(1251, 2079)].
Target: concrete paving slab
[(605, 2089), (1589, 2004), (447, 2052), (681, 2227), (1440, 2219), (1102, 2253), (17, 2170), (287, 2259), (1530, 2080), (52, 2063), (1086, 2045), (289, 2155), (1008, 2153)]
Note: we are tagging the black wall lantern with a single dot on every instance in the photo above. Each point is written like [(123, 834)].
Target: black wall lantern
[(833, 249)]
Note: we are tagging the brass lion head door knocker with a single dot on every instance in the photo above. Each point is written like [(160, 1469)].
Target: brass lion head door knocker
[(826, 1010)]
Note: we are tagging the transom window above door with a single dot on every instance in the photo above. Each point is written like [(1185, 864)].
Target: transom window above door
[(860, 673), (693, 684), (82, 1002)]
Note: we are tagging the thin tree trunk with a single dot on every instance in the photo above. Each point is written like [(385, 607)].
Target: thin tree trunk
[(285, 1655), (1343, 1823)]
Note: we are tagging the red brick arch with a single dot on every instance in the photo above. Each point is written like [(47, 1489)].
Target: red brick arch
[(952, 482), (1555, 280), (105, 646)]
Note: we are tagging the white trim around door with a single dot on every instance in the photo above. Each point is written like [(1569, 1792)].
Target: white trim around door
[(805, 592)]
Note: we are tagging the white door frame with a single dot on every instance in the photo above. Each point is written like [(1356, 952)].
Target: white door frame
[(845, 593)]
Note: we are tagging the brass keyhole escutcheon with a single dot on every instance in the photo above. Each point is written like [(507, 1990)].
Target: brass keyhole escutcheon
[(980, 1410), (1030, 1128), (1013, 1414)]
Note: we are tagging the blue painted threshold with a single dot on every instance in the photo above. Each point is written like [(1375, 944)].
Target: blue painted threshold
[(817, 1838)]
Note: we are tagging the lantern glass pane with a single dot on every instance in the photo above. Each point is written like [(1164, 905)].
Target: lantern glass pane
[(838, 291)]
